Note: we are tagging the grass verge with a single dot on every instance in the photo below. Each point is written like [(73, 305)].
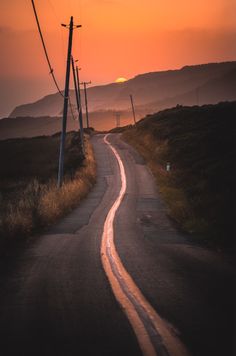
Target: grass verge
[(199, 144), (30, 199)]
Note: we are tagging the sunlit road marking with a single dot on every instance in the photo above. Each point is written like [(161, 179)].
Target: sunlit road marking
[(154, 336)]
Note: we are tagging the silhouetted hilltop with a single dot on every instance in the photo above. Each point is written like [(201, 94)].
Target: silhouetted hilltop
[(32, 127), (49, 105), (199, 84)]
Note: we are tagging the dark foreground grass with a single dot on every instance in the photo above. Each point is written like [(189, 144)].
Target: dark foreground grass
[(29, 197), (199, 144)]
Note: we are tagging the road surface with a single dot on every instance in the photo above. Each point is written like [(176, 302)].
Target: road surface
[(115, 277)]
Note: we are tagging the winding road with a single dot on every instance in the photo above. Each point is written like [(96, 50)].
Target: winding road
[(115, 277)]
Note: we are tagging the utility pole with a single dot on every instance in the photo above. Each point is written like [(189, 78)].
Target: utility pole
[(197, 96), (76, 86), (132, 104), (86, 101), (117, 115), (80, 103), (65, 108)]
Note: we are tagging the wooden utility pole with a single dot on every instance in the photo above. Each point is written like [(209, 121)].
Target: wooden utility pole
[(65, 108), (117, 115), (86, 101), (197, 96), (76, 86), (132, 104), (80, 103)]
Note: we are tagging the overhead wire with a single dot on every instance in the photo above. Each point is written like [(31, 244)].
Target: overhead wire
[(63, 50), (45, 49), (63, 45), (48, 60)]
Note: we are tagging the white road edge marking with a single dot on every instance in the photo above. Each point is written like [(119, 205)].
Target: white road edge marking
[(146, 323)]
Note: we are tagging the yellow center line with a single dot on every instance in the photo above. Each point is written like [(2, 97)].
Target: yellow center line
[(154, 335)]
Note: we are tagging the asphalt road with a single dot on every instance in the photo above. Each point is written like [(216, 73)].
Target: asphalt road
[(55, 298)]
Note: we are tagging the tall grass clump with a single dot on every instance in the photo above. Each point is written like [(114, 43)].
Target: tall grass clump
[(31, 201), (55, 202)]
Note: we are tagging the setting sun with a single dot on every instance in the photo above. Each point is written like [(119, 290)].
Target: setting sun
[(121, 80)]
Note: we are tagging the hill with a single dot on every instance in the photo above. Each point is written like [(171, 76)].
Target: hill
[(41, 126), (33, 126), (199, 84), (199, 145)]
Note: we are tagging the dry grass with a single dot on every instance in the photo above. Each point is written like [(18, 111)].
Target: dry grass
[(39, 204), (155, 155), (178, 205), (55, 203)]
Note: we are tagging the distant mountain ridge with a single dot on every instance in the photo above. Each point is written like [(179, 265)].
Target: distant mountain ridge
[(190, 85)]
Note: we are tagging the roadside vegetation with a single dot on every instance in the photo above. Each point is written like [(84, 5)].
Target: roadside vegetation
[(199, 145), (30, 199)]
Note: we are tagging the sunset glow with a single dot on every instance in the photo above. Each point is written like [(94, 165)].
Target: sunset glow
[(122, 36), (121, 80)]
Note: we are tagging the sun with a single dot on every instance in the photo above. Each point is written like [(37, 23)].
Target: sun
[(121, 80)]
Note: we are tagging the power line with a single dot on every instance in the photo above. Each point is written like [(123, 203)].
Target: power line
[(45, 49), (48, 60), (63, 46)]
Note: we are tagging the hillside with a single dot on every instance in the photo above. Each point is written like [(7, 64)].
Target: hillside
[(206, 83), (199, 144), (41, 126), (33, 126)]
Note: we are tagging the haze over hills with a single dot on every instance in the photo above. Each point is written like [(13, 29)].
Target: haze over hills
[(152, 92), (199, 84)]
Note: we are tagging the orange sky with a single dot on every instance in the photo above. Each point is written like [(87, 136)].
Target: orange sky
[(118, 38)]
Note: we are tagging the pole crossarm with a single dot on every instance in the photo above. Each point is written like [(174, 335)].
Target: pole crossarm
[(68, 26)]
